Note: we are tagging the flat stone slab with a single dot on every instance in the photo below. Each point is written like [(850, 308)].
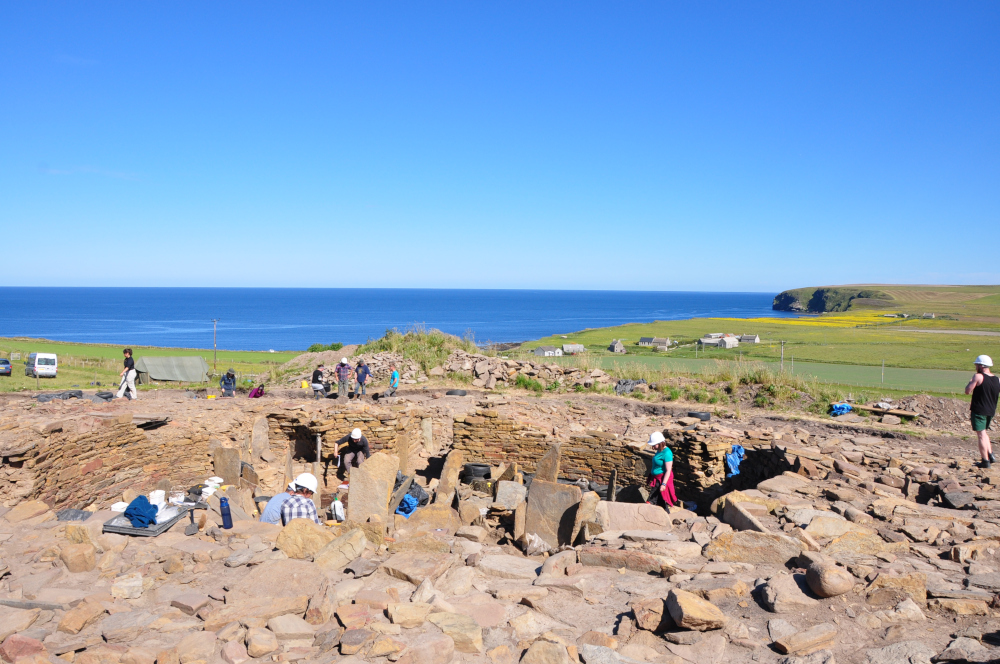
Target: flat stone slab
[(509, 567), (633, 516), (551, 511), (657, 535), (417, 566)]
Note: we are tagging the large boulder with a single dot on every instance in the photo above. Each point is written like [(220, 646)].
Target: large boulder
[(753, 547), (371, 488), (784, 594), (632, 516), (339, 552), (302, 538), (692, 612), (828, 580)]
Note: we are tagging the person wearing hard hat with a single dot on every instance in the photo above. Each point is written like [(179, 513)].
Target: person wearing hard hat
[(300, 505), (355, 450), (662, 472), (343, 374), (984, 388), (272, 511)]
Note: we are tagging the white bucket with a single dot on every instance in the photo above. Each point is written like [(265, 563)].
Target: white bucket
[(157, 497)]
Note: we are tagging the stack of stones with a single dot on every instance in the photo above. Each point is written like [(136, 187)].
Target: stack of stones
[(94, 457), (488, 371)]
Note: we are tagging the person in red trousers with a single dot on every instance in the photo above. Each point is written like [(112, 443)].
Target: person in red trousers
[(662, 473)]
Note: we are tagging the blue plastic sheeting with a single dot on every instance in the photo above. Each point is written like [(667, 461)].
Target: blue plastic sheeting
[(733, 459), (840, 409), (407, 505)]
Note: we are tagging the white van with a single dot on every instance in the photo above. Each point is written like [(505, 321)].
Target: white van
[(43, 365)]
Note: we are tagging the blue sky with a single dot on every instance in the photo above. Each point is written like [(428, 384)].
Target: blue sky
[(659, 145)]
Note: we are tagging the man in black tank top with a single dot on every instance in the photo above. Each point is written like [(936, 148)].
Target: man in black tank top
[(984, 388)]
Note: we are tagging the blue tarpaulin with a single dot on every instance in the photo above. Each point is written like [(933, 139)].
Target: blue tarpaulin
[(840, 409), (733, 459), (407, 505)]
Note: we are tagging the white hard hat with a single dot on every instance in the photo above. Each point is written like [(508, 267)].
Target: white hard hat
[(655, 439), (984, 360), (307, 481), (343, 360), (291, 486), (356, 434)]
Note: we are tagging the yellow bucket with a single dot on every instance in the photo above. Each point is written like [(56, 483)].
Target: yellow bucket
[(305, 385), (210, 396)]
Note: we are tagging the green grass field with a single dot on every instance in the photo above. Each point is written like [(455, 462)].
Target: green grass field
[(80, 365)]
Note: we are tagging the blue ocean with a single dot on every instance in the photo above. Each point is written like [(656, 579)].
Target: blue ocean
[(295, 318)]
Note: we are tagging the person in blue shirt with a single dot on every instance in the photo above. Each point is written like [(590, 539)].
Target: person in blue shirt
[(662, 472), (272, 511), (361, 374), (393, 381), (228, 383)]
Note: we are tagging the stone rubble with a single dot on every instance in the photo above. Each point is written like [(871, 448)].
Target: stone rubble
[(831, 543)]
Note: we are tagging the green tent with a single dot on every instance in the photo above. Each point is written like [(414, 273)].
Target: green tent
[(182, 369)]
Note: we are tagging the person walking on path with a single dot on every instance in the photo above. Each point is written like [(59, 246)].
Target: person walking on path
[(228, 384), (984, 388), (128, 375), (300, 504), (355, 451), (361, 375), (343, 374), (317, 382), (663, 469), (393, 381)]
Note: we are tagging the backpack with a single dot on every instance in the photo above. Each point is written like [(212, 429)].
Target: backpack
[(256, 392)]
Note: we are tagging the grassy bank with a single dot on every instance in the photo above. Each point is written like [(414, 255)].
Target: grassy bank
[(83, 365)]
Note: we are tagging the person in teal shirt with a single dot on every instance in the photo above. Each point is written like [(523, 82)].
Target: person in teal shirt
[(662, 472), (393, 381)]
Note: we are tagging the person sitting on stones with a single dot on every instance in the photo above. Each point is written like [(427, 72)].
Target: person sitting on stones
[(662, 473), (355, 450), (300, 505), (272, 511)]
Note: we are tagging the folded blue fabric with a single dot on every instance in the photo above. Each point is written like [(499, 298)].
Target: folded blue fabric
[(140, 513), (407, 505)]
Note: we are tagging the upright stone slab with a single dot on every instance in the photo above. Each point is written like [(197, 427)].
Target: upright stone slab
[(259, 442), (227, 465), (371, 486), (547, 468), (449, 477), (551, 511), (587, 511)]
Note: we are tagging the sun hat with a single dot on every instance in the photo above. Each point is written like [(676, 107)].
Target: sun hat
[(307, 481), (655, 439), (984, 360), (343, 360), (356, 434)]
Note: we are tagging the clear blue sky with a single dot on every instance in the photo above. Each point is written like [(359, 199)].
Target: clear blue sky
[(658, 145)]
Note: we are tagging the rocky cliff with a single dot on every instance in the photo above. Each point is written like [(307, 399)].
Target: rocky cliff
[(828, 298)]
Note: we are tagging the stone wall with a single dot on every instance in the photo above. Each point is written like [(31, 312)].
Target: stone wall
[(79, 461), (489, 438), (396, 430)]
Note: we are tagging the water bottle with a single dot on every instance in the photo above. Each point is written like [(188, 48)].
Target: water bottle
[(227, 518)]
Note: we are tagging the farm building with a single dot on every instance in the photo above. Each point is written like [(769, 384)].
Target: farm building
[(617, 347), (721, 341), (713, 335), (653, 341), (548, 351), (573, 349), (749, 339)]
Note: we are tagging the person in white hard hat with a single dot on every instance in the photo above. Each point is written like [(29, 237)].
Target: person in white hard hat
[(354, 451), (662, 472), (272, 511), (984, 388), (300, 504), (343, 374)]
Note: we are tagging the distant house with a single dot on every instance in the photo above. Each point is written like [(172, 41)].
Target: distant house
[(749, 339), (928, 316), (573, 349), (710, 341), (548, 351), (654, 341), (661, 347), (617, 347), (714, 335), (729, 341)]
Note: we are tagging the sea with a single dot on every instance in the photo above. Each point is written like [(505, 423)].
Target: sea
[(295, 318)]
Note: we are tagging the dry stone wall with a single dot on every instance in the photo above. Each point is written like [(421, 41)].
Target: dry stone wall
[(487, 437), (95, 458)]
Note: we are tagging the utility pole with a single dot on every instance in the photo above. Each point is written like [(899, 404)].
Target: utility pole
[(782, 355), (215, 343), (883, 371)]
